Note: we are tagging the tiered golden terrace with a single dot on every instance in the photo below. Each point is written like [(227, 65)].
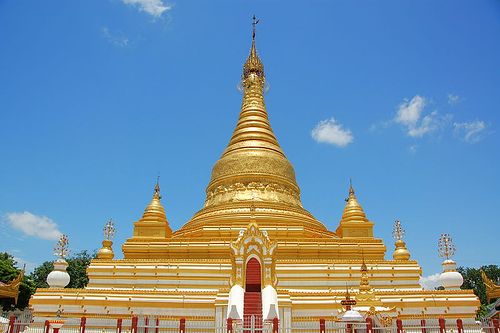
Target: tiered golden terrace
[(253, 249)]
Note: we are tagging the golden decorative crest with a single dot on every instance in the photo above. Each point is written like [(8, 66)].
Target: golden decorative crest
[(492, 290), (253, 242)]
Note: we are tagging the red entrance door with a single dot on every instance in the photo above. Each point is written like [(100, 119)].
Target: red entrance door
[(253, 275), (252, 308)]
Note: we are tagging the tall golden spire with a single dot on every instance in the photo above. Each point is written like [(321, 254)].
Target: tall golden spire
[(253, 156), (253, 171), (153, 223)]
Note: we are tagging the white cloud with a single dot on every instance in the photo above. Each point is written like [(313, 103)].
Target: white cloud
[(332, 132), (430, 282), (410, 115), (454, 99), (413, 149), (471, 132), (409, 111), (34, 225), (117, 40), (152, 7)]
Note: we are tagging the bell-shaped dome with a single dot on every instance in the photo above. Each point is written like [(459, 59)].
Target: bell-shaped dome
[(253, 175)]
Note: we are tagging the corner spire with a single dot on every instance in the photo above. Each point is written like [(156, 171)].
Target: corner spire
[(153, 223), (353, 210), (354, 222)]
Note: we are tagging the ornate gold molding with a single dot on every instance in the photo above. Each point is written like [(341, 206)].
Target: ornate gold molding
[(253, 242)]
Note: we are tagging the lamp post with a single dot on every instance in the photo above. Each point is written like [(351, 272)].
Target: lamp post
[(350, 316)]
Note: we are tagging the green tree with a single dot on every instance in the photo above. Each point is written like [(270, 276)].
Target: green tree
[(8, 272), (39, 274), (473, 280), (77, 268)]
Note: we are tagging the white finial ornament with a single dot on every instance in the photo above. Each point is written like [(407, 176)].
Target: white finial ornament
[(109, 230), (446, 248), (398, 232), (59, 278), (450, 278)]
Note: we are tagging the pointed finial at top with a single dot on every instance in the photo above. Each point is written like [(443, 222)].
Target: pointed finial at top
[(253, 67), (156, 194), (255, 21), (351, 191)]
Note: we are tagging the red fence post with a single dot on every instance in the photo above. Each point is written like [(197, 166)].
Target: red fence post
[(399, 325), (119, 322), (46, 326), (83, 322), (496, 324), (369, 325), (182, 325), (157, 328), (134, 324), (275, 325), (460, 326), (422, 326), (12, 320), (442, 325), (322, 326), (146, 324), (229, 327)]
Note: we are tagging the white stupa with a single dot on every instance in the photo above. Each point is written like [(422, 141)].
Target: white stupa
[(59, 277), (450, 279)]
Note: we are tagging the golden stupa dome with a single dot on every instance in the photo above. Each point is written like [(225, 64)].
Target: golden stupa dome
[(253, 161), (253, 171)]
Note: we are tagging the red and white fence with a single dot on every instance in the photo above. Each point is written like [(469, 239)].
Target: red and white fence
[(251, 324)]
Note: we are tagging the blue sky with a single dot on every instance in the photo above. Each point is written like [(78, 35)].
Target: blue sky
[(98, 97)]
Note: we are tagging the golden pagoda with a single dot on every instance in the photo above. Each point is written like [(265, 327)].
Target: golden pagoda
[(253, 249)]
